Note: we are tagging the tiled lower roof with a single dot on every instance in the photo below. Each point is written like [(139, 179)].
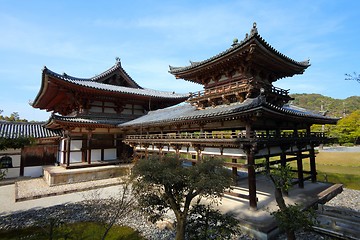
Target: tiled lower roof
[(186, 111), (26, 129), (97, 120)]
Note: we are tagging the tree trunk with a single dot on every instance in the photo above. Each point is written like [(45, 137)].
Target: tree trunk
[(180, 228), (279, 198), (290, 235), (281, 203)]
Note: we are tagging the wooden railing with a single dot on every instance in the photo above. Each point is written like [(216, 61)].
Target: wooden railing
[(239, 135), (240, 86)]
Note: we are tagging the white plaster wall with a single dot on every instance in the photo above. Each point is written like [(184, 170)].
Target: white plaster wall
[(60, 154), (109, 104), (110, 154), (35, 171), (233, 152), (12, 172), (75, 157), (75, 145), (208, 150), (109, 110), (16, 160), (127, 111), (191, 150), (138, 112), (96, 109), (183, 149), (95, 155)]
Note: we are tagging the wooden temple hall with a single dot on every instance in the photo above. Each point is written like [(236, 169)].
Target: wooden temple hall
[(239, 115)]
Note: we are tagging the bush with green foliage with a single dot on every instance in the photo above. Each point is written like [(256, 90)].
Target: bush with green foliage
[(347, 129), (205, 222), (19, 142), (164, 183), (294, 218), (289, 217)]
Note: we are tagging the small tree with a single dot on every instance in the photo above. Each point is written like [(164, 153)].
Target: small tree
[(164, 183), (204, 222), (289, 217), (347, 129), (107, 211), (19, 142)]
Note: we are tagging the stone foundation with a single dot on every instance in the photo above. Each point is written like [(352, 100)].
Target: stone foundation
[(58, 175)]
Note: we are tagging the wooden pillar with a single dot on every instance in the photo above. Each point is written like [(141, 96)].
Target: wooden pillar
[(63, 150), (267, 164), (300, 167), (177, 148), (312, 163), (68, 145), (147, 152), (234, 169), (199, 150), (160, 147), (251, 178), (88, 146)]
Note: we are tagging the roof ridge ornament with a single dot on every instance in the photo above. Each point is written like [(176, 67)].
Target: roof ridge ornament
[(118, 61), (235, 42), (253, 30)]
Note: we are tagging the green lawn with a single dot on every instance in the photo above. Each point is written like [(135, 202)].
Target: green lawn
[(337, 167), (76, 231)]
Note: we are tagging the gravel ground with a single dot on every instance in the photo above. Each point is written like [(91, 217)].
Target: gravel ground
[(349, 199)]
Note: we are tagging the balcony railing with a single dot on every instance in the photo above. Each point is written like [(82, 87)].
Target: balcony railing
[(240, 86), (219, 136)]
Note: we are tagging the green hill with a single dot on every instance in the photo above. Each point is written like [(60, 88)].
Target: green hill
[(334, 107)]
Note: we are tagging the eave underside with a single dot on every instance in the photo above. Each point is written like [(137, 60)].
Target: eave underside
[(64, 97)]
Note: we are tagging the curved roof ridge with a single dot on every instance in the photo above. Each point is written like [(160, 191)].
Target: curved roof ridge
[(104, 74), (64, 76), (236, 45), (115, 88), (266, 44)]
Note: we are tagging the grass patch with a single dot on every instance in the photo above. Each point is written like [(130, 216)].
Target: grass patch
[(78, 231), (336, 167), (349, 180)]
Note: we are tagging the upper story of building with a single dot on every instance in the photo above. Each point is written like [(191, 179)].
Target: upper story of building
[(245, 70), (111, 97)]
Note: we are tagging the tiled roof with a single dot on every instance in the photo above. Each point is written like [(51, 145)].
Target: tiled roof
[(91, 83), (26, 129), (254, 35), (186, 111), (88, 119)]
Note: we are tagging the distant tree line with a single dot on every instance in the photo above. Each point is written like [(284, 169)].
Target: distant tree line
[(347, 130), (326, 105), (14, 117)]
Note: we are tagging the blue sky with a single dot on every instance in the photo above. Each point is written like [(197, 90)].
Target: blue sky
[(83, 38)]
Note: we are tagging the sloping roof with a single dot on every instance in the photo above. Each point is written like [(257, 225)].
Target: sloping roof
[(26, 129), (84, 120), (235, 50), (186, 111), (62, 93), (91, 83)]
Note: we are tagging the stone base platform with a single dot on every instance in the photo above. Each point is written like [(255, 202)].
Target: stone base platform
[(259, 223), (58, 175)]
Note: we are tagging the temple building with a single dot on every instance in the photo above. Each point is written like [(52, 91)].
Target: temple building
[(239, 115), (28, 161), (88, 111)]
